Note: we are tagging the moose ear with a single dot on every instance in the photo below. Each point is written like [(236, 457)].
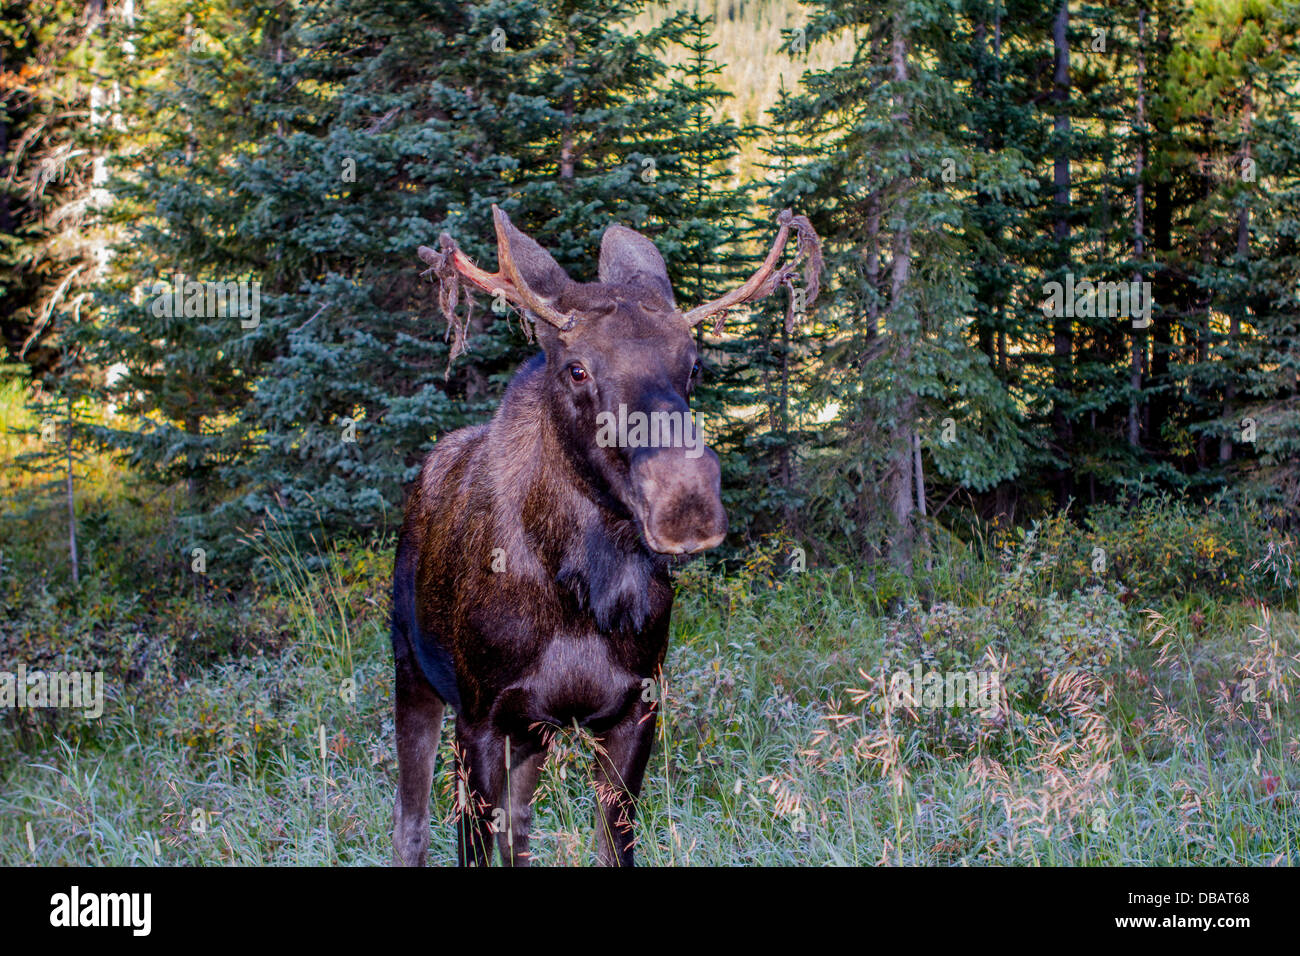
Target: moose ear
[(527, 264), (629, 258)]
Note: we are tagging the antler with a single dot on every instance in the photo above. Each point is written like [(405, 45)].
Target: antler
[(529, 299), (451, 263), (763, 282)]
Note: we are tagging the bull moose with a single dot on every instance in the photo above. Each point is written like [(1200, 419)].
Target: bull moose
[(531, 586)]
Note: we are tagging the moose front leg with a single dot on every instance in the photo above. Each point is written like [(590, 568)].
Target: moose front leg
[(621, 756), (418, 723), (499, 775)]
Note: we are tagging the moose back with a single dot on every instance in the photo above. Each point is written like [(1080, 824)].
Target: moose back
[(531, 585)]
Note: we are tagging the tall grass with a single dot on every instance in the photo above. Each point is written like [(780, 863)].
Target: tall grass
[(1124, 738), (314, 589)]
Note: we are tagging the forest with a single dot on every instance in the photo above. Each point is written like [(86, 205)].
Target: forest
[(1041, 425)]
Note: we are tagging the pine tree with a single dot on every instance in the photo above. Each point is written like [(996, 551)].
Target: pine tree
[(897, 359), (54, 114), (771, 360), (1001, 70), (196, 94), (409, 134), (49, 100), (558, 113), (1235, 81), (1236, 69), (708, 241)]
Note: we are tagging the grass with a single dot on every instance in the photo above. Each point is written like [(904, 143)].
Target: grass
[(762, 758), (1148, 727)]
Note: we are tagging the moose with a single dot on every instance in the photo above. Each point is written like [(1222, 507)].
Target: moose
[(531, 586)]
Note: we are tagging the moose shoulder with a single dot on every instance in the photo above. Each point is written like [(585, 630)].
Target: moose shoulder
[(531, 586)]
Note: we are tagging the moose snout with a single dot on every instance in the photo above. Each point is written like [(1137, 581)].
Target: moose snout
[(680, 499)]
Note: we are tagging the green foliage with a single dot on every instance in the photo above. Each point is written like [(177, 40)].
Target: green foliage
[(265, 146), (1164, 547), (882, 135), (49, 111), (320, 188), (186, 365)]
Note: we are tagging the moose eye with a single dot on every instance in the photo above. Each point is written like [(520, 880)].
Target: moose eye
[(695, 369), (577, 372)]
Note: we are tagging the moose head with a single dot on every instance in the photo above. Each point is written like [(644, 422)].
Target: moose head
[(621, 364)]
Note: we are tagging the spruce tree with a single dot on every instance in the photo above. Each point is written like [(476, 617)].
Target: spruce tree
[(196, 94), (51, 100), (558, 113), (909, 383)]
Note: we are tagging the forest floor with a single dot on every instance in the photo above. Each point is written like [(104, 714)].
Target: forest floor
[(1139, 709)]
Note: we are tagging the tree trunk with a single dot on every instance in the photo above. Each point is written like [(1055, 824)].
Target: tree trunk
[(567, 162), (987, 295), (901, 493), (1165, 287), (1206, 303), (6, 219), (1139, 226), (72, 505), (873, 218), (1237, 312), (1062, 328), (784, 462)]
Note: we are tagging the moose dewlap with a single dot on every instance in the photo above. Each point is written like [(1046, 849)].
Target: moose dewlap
[(531, 587)]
